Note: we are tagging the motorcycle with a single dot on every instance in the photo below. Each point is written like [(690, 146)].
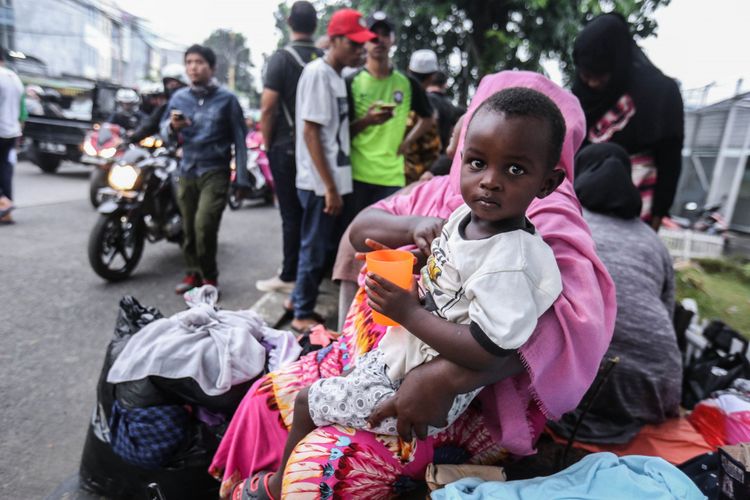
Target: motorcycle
[(259, 173), (707, 219), (101, 148), (140, 204)]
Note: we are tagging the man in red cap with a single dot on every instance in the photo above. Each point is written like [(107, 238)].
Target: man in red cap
[(324, 174)]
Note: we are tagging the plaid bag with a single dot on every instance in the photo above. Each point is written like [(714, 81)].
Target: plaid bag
[(148, 437)]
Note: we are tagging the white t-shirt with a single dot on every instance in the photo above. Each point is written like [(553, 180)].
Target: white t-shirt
[(502, 284), (321, 98), (11, 90)]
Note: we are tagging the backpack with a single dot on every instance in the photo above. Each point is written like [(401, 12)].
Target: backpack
[(289, 49)]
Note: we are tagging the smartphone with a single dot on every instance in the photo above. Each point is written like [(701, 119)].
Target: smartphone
[(177, 114), (388, 106)]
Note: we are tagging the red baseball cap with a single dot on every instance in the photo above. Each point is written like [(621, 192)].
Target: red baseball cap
[(351, 24)]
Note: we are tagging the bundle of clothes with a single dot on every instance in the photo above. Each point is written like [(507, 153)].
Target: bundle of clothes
[(166, 393), (191, 368)]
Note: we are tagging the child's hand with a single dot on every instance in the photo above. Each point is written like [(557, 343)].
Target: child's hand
[(390, 299)]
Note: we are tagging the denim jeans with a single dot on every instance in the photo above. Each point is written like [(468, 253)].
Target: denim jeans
[(320, 235), (6, 167), (284, 170), (365, 194)]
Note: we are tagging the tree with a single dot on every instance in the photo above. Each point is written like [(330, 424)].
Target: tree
[(233, 62), (474, 37)]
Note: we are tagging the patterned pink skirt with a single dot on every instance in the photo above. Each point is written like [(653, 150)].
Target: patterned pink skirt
[(333, 461)]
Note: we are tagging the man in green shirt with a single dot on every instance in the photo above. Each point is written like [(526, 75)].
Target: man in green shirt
[(380, 98)]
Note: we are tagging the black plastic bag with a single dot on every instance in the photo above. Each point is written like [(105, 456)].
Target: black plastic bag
[(718, 365), (184, 476), (703, 470)]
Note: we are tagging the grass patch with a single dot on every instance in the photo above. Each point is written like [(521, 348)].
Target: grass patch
[(721, 287)]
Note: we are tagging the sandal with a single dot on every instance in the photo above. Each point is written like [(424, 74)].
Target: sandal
[(6, 211), (253, 488)]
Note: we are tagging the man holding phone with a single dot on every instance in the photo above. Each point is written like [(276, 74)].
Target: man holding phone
[(380, 98), (206, 120)]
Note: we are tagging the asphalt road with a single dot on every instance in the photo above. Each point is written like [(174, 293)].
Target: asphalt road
[(57, 316)]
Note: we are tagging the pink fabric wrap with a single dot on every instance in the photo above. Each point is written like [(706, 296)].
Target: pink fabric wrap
[(563, 354)]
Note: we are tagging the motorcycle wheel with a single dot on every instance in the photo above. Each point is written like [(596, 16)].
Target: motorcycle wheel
[(115, 246), (97, 180), (48, 163), (235, 200)]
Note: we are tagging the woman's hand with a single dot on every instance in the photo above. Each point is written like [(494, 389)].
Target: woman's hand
[(423, 399), (389, 299), (426, 230), (419, 258)]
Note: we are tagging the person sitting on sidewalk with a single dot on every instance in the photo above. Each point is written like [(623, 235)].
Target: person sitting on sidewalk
[(206, 119), (488, 279)]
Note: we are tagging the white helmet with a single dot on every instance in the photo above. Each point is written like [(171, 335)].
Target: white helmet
[(175, 72), (127, 96), (152, 88)]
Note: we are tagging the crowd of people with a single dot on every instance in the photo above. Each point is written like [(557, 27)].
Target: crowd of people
[(520, 293)]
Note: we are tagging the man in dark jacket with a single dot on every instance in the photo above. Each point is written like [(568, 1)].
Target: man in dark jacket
[(206, 120)]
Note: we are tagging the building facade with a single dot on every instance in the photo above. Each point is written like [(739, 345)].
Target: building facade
[(89, 38), (716, 160)]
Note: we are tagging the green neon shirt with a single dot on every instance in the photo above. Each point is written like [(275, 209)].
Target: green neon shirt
[(373, 150)]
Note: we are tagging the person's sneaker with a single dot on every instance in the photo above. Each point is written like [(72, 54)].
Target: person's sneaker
[(213, 283), (189, 282), (275, 284)]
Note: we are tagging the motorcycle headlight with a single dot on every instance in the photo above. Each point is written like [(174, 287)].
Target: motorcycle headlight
[(89, 149), (108, 153), (148, 142), (123, 177)]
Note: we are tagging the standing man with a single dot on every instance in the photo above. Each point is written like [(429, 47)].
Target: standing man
[(277, 111), (11, 97), (206, 120), (447, 117), (381, 98), (421, 154), (447, 112), (324, 178)]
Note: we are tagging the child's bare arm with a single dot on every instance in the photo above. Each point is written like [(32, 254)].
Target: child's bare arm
[(454, 342)]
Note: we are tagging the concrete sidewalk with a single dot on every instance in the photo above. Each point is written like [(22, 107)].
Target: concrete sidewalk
[(271, 307)]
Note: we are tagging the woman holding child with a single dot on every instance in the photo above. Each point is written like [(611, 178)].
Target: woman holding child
[(531, 369)]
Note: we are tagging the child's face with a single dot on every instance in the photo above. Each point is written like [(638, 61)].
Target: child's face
[(504, 165)]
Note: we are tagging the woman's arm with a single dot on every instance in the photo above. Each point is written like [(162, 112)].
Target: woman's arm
[(427, 393), (393, 231)]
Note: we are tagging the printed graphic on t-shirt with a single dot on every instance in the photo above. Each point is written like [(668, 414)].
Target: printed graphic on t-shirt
[(342, 158)]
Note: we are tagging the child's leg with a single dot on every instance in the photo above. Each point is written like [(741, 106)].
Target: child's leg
[(302, 425)]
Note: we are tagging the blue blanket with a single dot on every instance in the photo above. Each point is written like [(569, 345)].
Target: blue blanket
[(597, 476)]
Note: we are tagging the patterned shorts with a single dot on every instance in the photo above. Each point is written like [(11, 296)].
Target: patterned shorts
[(349, 400)]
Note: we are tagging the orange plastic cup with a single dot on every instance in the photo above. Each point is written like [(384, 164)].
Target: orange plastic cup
[(395, 266)]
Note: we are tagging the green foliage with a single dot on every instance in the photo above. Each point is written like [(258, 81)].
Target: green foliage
[(233, 62), (473, 38), (721, 288)]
